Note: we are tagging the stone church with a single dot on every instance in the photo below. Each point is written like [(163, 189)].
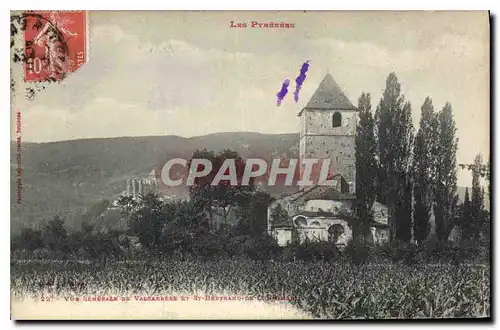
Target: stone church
[(325, 213)]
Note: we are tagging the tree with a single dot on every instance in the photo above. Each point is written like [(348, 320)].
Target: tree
[(466, 224), (253, 214), (29, 239), (126, 204), (403, 171), (366, 167), (477, 198), (185, 223), (55, 234), (484, 171), (224, 195), (148, 220), (85, 239), (395, 139), (446, 197), (390, 103), (424, 170)]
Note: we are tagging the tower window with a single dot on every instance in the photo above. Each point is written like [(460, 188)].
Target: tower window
[(344, 186), (337, 119)]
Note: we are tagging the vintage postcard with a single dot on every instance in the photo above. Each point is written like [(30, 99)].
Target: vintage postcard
[(191, 165)]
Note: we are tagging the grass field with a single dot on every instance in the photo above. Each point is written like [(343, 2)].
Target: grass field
[(319, 290)]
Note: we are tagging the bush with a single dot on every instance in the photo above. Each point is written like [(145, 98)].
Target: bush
[(398, 252), (356, 252), (311, 251), (435, 251), (431, 251), (261, 248)]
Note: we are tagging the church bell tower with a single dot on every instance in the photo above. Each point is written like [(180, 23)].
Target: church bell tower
[(328, 130)]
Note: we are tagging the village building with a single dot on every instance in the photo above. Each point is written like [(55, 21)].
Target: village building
[(326, 213)]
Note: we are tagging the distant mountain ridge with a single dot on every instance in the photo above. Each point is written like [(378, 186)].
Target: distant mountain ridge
[(68, 177)]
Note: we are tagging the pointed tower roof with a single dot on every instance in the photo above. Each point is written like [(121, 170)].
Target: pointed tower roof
[(329, 96)]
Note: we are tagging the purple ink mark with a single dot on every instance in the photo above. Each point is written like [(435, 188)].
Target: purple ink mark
[(282, 93), (300, 80)]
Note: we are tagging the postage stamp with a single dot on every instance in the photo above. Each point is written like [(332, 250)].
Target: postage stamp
[(55, 44)]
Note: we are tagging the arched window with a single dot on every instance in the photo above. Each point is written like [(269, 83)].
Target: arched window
[(300, 221), (334, 233), (337, 119)]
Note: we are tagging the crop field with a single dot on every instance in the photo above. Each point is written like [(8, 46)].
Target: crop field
[(320, 289)]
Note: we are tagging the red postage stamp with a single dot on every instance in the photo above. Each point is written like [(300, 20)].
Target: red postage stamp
[(55, 44)]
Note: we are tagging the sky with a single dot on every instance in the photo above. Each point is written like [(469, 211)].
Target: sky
[(191, 74)]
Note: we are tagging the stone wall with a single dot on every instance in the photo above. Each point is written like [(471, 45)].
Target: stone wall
[(379, 235), (380, 213), (316, 229), (320, 140), (319, 122), (341, 152), (282, 235)]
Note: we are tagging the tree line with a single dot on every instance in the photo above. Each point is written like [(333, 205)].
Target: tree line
[(414, 174), (217, 220)]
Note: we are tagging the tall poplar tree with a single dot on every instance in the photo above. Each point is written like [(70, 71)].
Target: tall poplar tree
[(395, 138), (466, 224), (446, 197), (424, 170), (390, 103), (477, 198), (405, 137), (366, 166)]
